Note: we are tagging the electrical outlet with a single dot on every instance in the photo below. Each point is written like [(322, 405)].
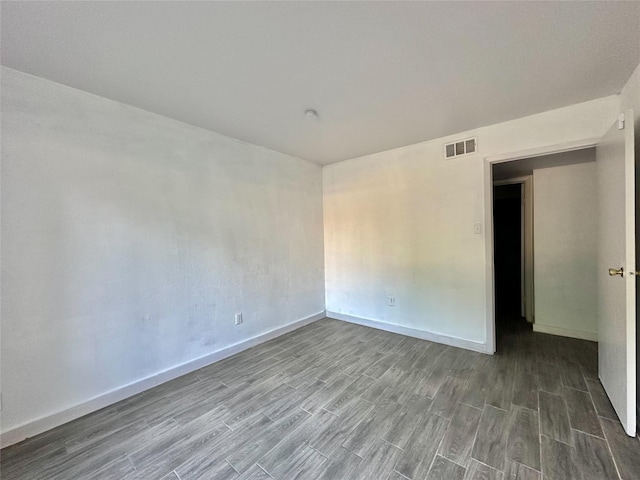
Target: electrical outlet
[(392, 301), (238, 318)]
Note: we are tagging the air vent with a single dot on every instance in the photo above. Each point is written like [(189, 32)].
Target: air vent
[(461, 147)]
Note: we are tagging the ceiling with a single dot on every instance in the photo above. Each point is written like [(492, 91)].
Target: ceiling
[(380, 74), (526, 166)]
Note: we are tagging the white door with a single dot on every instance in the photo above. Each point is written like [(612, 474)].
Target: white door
[(616, 251)]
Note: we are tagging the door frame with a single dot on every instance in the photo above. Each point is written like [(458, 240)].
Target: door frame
[(526, 243), (489, 161)]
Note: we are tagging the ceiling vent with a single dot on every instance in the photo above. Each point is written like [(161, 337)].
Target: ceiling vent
[(461, 147)]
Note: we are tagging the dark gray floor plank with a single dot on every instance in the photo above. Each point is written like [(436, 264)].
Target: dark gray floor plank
[(458, 441), (329, 437), (427, 357), (383, 387), (406, 421), (115, 470), (220, 470), (315, 402), (559, 460), (330, 373), (172, 476), (212, 455), (85, 462), (157, 449), (501, 389), (247, 454), (254, 473), (284, 450), (477, 388), (349, 395), (292, 400), (362, 362), (549, 379), (20, 466), (491, 440), (479, 471), (342, 464), (254, 373), (108, 426), (517, 471), (624, 449), (601, 400), (582, 413), (164, 457), (465, 364), (525, 384), (443, 469), (572, 377), (588, 360), (380, 367), (406, 386), (523, 442), (593, 457), (554, 419), (430, 384), (244, 412), (422, 446), (396, 476), (304, 463), (375, 425), (379, 461), (187, 411), (446, 400)]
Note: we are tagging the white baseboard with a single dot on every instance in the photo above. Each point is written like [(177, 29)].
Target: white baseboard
[(565, 332), (48, 422), (412, 332)]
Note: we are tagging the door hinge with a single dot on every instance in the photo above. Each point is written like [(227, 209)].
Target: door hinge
[(621, 122)]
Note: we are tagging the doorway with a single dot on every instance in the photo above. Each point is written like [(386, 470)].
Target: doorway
[(574, 295), (563, 233), (508, 228)]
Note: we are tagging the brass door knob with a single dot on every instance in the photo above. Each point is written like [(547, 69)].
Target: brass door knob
[(613, 272)]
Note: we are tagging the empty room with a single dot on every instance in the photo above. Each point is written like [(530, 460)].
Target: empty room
[(319, 240)]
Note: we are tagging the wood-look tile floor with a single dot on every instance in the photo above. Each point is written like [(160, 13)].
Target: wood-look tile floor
[(334, 400)]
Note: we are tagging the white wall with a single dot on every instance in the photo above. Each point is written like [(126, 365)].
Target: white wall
[(129, 241), (401, 223), (566, 249)]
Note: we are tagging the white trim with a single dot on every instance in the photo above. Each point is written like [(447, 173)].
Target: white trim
[(490, 322), (47, 422), (412, 332), (542, 151), (566, 332), (630, 425)]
